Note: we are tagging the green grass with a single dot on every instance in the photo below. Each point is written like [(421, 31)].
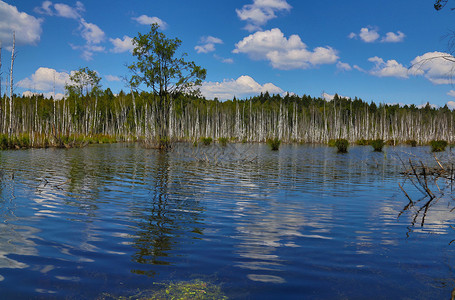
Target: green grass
[(206, 141), (342, 145), (274, 144), (377, 145), (438, 146), (223, 141), (183, 290)]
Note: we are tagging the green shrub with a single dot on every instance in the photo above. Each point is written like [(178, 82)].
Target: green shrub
[(391, 143), (342, 145), (377, 145), (362, 142), (438, 146), (206, 141), (223, 141), (332, 143), (274, 143), (412, 143)]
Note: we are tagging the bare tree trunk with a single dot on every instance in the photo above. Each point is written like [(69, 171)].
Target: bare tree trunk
[(11, 86)]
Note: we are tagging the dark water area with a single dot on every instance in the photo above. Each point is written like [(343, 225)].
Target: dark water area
[(300, 223)]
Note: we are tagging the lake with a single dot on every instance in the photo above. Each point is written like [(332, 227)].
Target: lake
[(303, 222)]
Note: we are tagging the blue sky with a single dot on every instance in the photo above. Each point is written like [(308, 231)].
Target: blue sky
[(353, 48)]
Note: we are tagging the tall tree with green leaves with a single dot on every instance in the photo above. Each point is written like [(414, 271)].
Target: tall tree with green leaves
[(160, 69), (83, 82)]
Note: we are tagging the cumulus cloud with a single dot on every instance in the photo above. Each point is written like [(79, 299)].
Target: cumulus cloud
[(207, 44), (390, 68), (122, 45), (43, 80), (58, 96), (329, 97), (224, 60), (391, 37), (371, 35), (284, 53), (112, 78), (26, 27), (451, 93), (343, 66), (91, 32), (260, 12), (61, 9), (437, 67), (146, 20), (451, 105), (240, 87)]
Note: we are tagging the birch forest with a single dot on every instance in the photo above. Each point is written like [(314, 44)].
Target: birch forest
[(35, 121)]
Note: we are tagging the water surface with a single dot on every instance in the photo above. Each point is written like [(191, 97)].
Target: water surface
[(300, 223)]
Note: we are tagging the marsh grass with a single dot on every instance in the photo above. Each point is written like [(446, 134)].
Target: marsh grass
[(342, 145), (223, 141), (206, 141), (274, 144), (183, 290), (438, 145), (377, 145)]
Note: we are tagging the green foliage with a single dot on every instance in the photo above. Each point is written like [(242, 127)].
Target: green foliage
[(196, 289), (438, 145), (377, 145), (412, 143), (362, 142), (206, 141), (223, 141), (84, 82), (274, 143), (332, 143), (342, 145), (391, 143)]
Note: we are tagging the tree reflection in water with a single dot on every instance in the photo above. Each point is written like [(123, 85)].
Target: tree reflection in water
[(172, 214)]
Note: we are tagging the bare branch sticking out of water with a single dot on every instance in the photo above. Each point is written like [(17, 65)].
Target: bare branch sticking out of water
[(432, 180)]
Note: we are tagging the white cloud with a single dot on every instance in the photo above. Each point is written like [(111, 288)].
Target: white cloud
[(428, 103), (26, 27), (343, 66), (88, 50), (122, 45), (451, 105), (58, 96), (91, 32), (61, 9), (207, 44), (359, 68), (368, 35), (451, 93), (112, 78), (241, 87), (437, 67), (43, 80), (45, 8), (146, 20), (260, 12), (392, 37), (391, 68), (329, 97), (284, 53), (371, 35)]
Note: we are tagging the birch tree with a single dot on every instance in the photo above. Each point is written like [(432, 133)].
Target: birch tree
[(159, 69)]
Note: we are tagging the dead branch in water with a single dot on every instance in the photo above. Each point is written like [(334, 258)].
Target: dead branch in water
[(431, 181)]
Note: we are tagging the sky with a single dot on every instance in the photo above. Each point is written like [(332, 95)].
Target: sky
[(384, 51)]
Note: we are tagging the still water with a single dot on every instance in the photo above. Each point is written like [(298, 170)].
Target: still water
[(301, 223)]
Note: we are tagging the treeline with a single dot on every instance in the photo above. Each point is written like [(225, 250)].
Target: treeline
[(291, 118)]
